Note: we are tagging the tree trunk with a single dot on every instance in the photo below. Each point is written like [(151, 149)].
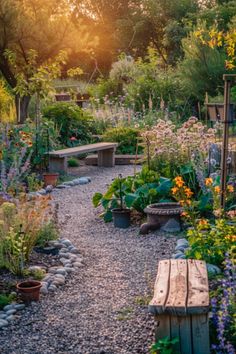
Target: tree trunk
[(22, 105)]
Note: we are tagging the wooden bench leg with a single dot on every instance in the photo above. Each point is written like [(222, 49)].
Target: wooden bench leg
[(58, 164), (106, 158)]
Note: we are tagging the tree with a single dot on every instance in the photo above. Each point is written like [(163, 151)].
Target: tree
[(42, 27)]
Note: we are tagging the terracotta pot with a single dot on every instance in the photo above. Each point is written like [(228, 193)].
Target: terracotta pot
[(50, 179), (29, 290)]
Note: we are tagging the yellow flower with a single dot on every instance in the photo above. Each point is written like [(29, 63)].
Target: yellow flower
[(230, 188), (217, 189), (208, 181)]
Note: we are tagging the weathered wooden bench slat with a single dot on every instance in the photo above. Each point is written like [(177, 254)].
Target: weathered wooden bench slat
[(106, 155), (181, 304), (80, 150)]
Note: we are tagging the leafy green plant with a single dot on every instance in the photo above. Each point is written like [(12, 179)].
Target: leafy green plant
[(6, 300), (19, 227), (210, 242), (33, 183), (139, 191), (47, 232), (72, 162), (164, 346), (71, 121), (127, 138), (36, 274)]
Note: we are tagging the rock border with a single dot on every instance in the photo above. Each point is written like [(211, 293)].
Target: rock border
[(71, 260), (64, 185)]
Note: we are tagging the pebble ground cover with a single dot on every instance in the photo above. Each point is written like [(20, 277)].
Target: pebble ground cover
[(101, 308)]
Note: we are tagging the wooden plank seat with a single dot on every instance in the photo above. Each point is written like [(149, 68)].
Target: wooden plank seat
[(106, 155), (181, 304)]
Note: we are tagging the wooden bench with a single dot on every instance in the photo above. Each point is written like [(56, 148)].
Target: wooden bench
[(181, 305), (92, 160), (106, 155)]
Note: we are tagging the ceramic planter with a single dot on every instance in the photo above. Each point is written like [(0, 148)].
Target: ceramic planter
[(121, 218), (164, 216), (29, 290), (50, 179)]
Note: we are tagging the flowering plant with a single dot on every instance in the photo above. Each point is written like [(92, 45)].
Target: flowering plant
[(183, 195), (223, 308), (170, 142), (210, 242), (20, 223)]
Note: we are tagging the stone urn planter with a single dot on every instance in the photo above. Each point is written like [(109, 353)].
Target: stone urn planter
[(29, 290), (163, 216)]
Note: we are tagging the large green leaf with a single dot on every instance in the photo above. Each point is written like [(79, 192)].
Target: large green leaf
[(130, 199), (164, 187), (96, 199)]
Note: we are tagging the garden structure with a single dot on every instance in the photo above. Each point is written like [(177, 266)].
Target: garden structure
[(84, 238), (106, 155)]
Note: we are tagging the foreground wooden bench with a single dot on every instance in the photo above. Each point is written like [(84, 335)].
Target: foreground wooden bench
[(181, 304), (106, 155)]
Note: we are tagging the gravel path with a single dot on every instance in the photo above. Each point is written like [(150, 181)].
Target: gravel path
[(100, 310)]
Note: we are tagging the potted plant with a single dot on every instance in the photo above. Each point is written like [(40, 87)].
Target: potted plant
[(121, 215), (29, 290)]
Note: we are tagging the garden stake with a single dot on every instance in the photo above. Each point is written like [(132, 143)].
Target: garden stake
[(227, 85)]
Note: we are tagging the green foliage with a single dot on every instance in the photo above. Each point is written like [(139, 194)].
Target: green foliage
[(6, 300), (202, 69), (71, 121), (36, 274), (19, 230), (48, 232), (7, 110), (210, 242), (72, 162), (106, 88), (164, 346), (139, 191), (33, 182), (126, 137)]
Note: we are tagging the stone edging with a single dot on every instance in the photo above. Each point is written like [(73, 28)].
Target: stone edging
[(71, 260)]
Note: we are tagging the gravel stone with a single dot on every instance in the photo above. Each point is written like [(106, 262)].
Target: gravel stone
[(52, 288), (2, 316), (10, 318), (10, 312), (8, 307), (19, 307), (97, 310), (44, 290), (3, 323)]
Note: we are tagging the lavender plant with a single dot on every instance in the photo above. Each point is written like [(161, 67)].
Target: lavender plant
[(223, 311)]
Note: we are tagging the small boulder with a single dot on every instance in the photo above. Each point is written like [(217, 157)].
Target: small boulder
[(3, 323)]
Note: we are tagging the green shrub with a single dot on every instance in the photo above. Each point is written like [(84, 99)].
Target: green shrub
[(5, 300), (75, 125), (126, 137), (72, 162), (48, 232)]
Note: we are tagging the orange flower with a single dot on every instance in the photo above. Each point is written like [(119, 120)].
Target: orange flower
[(217, 189), (185, 214), (188, 192), (208, 181), (174, 190), (230, 188), (188, 202), (203, 222), (231, 238), (182, 202), (179, 181)]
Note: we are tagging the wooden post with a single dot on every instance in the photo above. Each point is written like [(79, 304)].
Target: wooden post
[(227, 85)]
